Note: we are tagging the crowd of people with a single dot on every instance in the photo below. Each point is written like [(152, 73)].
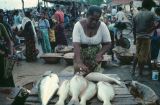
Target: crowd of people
[(92, 35), (45, 27)]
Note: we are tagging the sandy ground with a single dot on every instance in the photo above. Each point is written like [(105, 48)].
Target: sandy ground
[(25, 72)]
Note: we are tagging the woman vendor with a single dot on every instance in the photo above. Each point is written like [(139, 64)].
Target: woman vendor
[(91, 39)]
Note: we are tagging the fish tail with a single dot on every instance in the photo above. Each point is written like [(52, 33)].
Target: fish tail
[(43, 103), (74, 102), (82, 103), (107, 103)]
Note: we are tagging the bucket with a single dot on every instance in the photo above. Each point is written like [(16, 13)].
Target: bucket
[(155, 75)]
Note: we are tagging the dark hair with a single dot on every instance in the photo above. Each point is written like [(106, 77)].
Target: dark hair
[(27, 14), (119, 8), (92, 9), (1, 14), (157, 11), (148, 4), (139, 8), (16, 12), (57, 6), (1, 10)]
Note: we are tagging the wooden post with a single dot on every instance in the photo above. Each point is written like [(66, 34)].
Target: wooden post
[(23, 5)]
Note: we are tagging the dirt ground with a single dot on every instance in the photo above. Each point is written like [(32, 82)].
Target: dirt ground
[(25, 72)]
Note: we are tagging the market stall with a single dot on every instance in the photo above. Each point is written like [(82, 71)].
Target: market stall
[(122, 94)]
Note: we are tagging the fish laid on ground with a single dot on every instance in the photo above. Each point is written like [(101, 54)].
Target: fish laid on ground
[(47, 88), (147, 94), (88, 93), (95, 76), (63, 92), (105, 92), (78, 85)]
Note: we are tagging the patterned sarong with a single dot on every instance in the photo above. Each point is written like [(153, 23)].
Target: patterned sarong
[(88, 56), (143, 50)]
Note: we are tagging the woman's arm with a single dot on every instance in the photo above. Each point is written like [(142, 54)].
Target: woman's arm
[(105, 48), (106, 42), (76, 44), (78, 59)]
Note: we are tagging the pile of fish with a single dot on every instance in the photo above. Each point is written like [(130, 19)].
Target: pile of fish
[(80, 89)]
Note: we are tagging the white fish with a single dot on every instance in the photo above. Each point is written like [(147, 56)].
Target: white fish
[(105, 92), (63, 92), (95, 76), (78, 84), (47, 88), (88, 93)]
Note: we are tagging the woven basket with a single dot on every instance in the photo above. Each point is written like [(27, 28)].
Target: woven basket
[(68, 57), (64, 49), (124, 59)]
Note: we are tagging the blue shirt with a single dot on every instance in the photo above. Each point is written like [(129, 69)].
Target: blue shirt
[(43, 23)]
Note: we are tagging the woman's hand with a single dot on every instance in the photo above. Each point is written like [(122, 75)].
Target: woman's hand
[(99, 58), (83, 68)]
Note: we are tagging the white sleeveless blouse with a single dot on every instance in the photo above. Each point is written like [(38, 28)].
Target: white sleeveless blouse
[(102, 35)]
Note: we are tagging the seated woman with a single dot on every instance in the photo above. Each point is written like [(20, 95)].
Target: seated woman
[(91, 39)]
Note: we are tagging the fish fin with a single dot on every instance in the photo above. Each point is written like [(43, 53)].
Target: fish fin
[(37, 84), (74, 102)]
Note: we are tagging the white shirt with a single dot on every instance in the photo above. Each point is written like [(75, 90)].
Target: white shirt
[(120, 16), (113, 12), (101, 36)]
